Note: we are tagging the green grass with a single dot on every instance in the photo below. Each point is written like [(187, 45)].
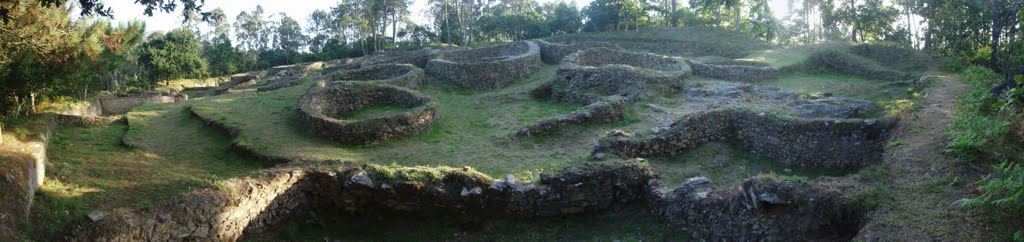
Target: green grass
[(632, 223), (727, 164), (375, 111), (893, 100), (473, 130), (89, 168)]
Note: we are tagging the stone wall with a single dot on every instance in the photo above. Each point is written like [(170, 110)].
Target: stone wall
[(88, 108), (554, 52), (403, 75), (240, 82), (125, 104), (320, 111), (300, 67), (250, 205), (487, 68), (418, 58), (22, 171), (609, 109), (588, 75), (734, 70), (763, 209), (827, 143)]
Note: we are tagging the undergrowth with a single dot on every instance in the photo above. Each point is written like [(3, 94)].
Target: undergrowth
[(980, 133), (979, 130)]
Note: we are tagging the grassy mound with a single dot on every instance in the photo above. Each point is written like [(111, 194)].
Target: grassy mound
[(689, 41)]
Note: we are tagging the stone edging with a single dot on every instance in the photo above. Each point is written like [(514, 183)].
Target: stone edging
[(554, 52), (826, 143), (609, 109), (403, 75), (319, 108), (590, 74), (487, 68)]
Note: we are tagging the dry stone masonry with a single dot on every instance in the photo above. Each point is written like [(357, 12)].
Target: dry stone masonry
[(403, 75), (250, 205), (826, 143), (323, 106), (554, 52), (487, 68), (733, 70), (763, 208), (238, 82), (609, 109), (591, 74)]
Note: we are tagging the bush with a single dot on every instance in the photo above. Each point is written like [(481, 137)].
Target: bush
[(977, 128), (1003, 194)]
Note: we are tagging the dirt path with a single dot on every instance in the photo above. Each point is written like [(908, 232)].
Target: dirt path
[(925, 184)]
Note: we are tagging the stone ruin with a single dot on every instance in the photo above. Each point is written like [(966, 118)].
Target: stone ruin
[(762, 208), (322, 108), (609, 109), (733, 70), (403, 75), (554, 52), (825, 143), (487, 68), (418, 58), (342, 64), (711, 95), (238, 82), (591, 74), (283, 78), (301, 67)]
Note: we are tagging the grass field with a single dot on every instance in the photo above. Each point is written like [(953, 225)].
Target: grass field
[(474, 130), (89, 168)]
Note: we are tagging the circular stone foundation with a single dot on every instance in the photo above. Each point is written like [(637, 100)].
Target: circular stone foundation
[(403, 75), (554, 52), (733, 70), (487, 68), (590, 74), (324, 106)]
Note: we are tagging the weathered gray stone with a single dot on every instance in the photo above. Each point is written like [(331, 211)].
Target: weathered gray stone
[(588, 75), (320, 111), (362, 179), (487, 68), (96, 215)]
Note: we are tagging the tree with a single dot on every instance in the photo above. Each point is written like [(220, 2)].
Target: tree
[(563, 19), (172, 56), (288, 35), (252, 30), (222, 58), (89, 7)]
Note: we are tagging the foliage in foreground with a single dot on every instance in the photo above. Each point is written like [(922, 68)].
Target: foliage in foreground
[(980, 130), (979, 125)]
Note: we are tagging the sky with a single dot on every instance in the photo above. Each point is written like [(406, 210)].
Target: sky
[(299, 10)]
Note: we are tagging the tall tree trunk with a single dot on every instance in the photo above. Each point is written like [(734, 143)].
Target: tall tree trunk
[(997, 30), (736, 16), (32, 103), (447, 26), (928, 35), (675, 19)]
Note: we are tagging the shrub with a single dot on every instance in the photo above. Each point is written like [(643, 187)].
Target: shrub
[(977, 127), (1002, 193)]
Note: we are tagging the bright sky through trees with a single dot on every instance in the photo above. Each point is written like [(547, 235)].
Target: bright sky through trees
[(125, 10)]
